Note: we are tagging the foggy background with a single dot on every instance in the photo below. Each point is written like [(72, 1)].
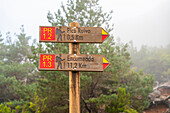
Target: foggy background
[(142, 21), (138, 72)]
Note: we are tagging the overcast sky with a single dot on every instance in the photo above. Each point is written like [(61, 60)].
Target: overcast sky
[(143, 21)]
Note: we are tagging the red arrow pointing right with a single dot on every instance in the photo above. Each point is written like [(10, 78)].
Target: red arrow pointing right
[(105, 63), (104, 34)]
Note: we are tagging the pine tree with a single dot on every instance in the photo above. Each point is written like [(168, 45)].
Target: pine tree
[(83, 12), (139, 85), (17, 82), (93, 85), (152, 60), (120, 103)]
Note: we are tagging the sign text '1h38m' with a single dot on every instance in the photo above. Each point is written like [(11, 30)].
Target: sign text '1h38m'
[(63, 34), (73, 62)]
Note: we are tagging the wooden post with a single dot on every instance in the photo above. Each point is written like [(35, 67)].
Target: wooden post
[(74, 78)]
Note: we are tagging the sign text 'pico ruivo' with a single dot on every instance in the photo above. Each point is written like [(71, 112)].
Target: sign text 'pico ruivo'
[(62, 34)]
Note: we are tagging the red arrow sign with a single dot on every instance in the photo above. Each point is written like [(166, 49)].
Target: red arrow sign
[(73, 62), (72, 34)]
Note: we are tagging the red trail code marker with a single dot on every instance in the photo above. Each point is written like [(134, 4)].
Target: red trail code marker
[(47, 33), (47, 61)]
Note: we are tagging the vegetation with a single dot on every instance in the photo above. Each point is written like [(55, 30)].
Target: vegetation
[(99, 84), (120, 103), (16, 72), (152, 60), (36, 106), (120, 88)]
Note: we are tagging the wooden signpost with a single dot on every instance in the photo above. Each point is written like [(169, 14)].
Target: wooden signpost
[(74, 62), (62, 34)]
